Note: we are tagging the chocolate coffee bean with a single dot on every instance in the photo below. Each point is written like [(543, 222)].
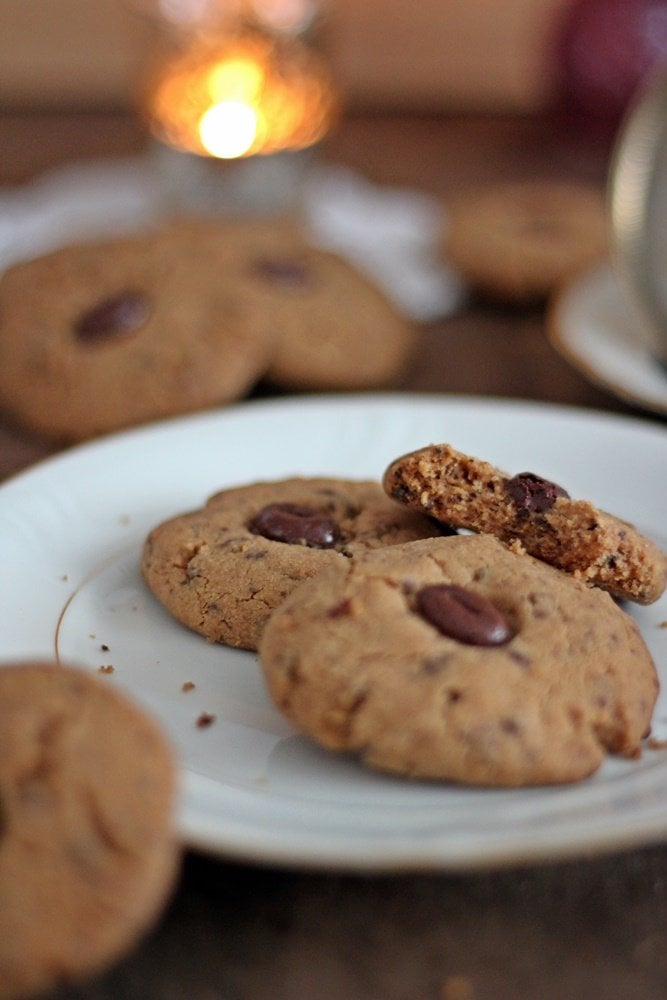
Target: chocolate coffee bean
[(531, 494), (463, 615), (290, 273), (115, 316), (296, 525)]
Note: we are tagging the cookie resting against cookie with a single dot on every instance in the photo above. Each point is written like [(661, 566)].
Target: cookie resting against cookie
[(88, 849), (333, 327), (533, 512), (457, 659), (223, 569)]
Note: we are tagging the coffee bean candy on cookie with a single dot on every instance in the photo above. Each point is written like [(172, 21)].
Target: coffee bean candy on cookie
[(458, 659), (222, 570)]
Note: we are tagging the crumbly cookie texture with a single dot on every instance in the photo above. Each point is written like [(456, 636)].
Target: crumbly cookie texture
[(458, 659), (88, 850), (223, 569), (531, 512), (520, 241)]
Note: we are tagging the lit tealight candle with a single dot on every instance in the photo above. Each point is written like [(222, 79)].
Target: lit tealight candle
[(242, 93)]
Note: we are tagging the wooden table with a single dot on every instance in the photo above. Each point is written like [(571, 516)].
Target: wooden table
[(595, 927)]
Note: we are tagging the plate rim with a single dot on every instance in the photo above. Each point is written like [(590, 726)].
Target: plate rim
[(379, 398)]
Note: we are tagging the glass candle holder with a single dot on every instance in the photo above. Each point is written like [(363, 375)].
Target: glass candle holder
[(237, 97)]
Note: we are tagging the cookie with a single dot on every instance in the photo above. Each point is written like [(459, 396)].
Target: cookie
[(525, 509), (457, 659), (331, 326), (88, 853), (100, 336), (520, 241), (223, 569)]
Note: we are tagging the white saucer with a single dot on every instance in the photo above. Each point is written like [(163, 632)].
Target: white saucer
[(593, 327)]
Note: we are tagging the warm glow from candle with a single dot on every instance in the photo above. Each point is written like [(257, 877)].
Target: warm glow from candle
[(241, 95), (228, 129), (236, 78)]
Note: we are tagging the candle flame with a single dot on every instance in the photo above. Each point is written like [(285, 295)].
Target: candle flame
[(228, 129), (242, 94)]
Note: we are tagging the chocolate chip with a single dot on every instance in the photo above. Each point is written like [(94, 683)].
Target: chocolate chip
[(113, 317), (288, 273), (296, 525), (531, 494), (463, 615)]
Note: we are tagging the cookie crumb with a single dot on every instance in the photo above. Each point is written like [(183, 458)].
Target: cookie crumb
[(106, 668), (187, 686), (655, 744), (205, 719), (104, 647), (458, 988), (663, 624)]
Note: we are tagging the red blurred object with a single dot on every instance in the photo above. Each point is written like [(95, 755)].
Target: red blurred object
[(605, 48)]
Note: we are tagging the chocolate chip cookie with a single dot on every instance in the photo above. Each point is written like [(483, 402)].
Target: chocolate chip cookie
[(525, 509), (223, 569), (458, 659), (88, 852), (100, 336), (331, 326), (519, 241)]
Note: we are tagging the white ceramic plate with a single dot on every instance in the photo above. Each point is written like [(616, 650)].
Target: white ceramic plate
[(594, 327), (71, 534)]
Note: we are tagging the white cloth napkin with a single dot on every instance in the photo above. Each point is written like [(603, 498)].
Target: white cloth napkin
[(390, 233)]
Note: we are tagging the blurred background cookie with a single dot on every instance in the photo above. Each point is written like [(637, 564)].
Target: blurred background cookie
[(88, 851), (336, 329), (519, 241), (332, 327), (100, 336)]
